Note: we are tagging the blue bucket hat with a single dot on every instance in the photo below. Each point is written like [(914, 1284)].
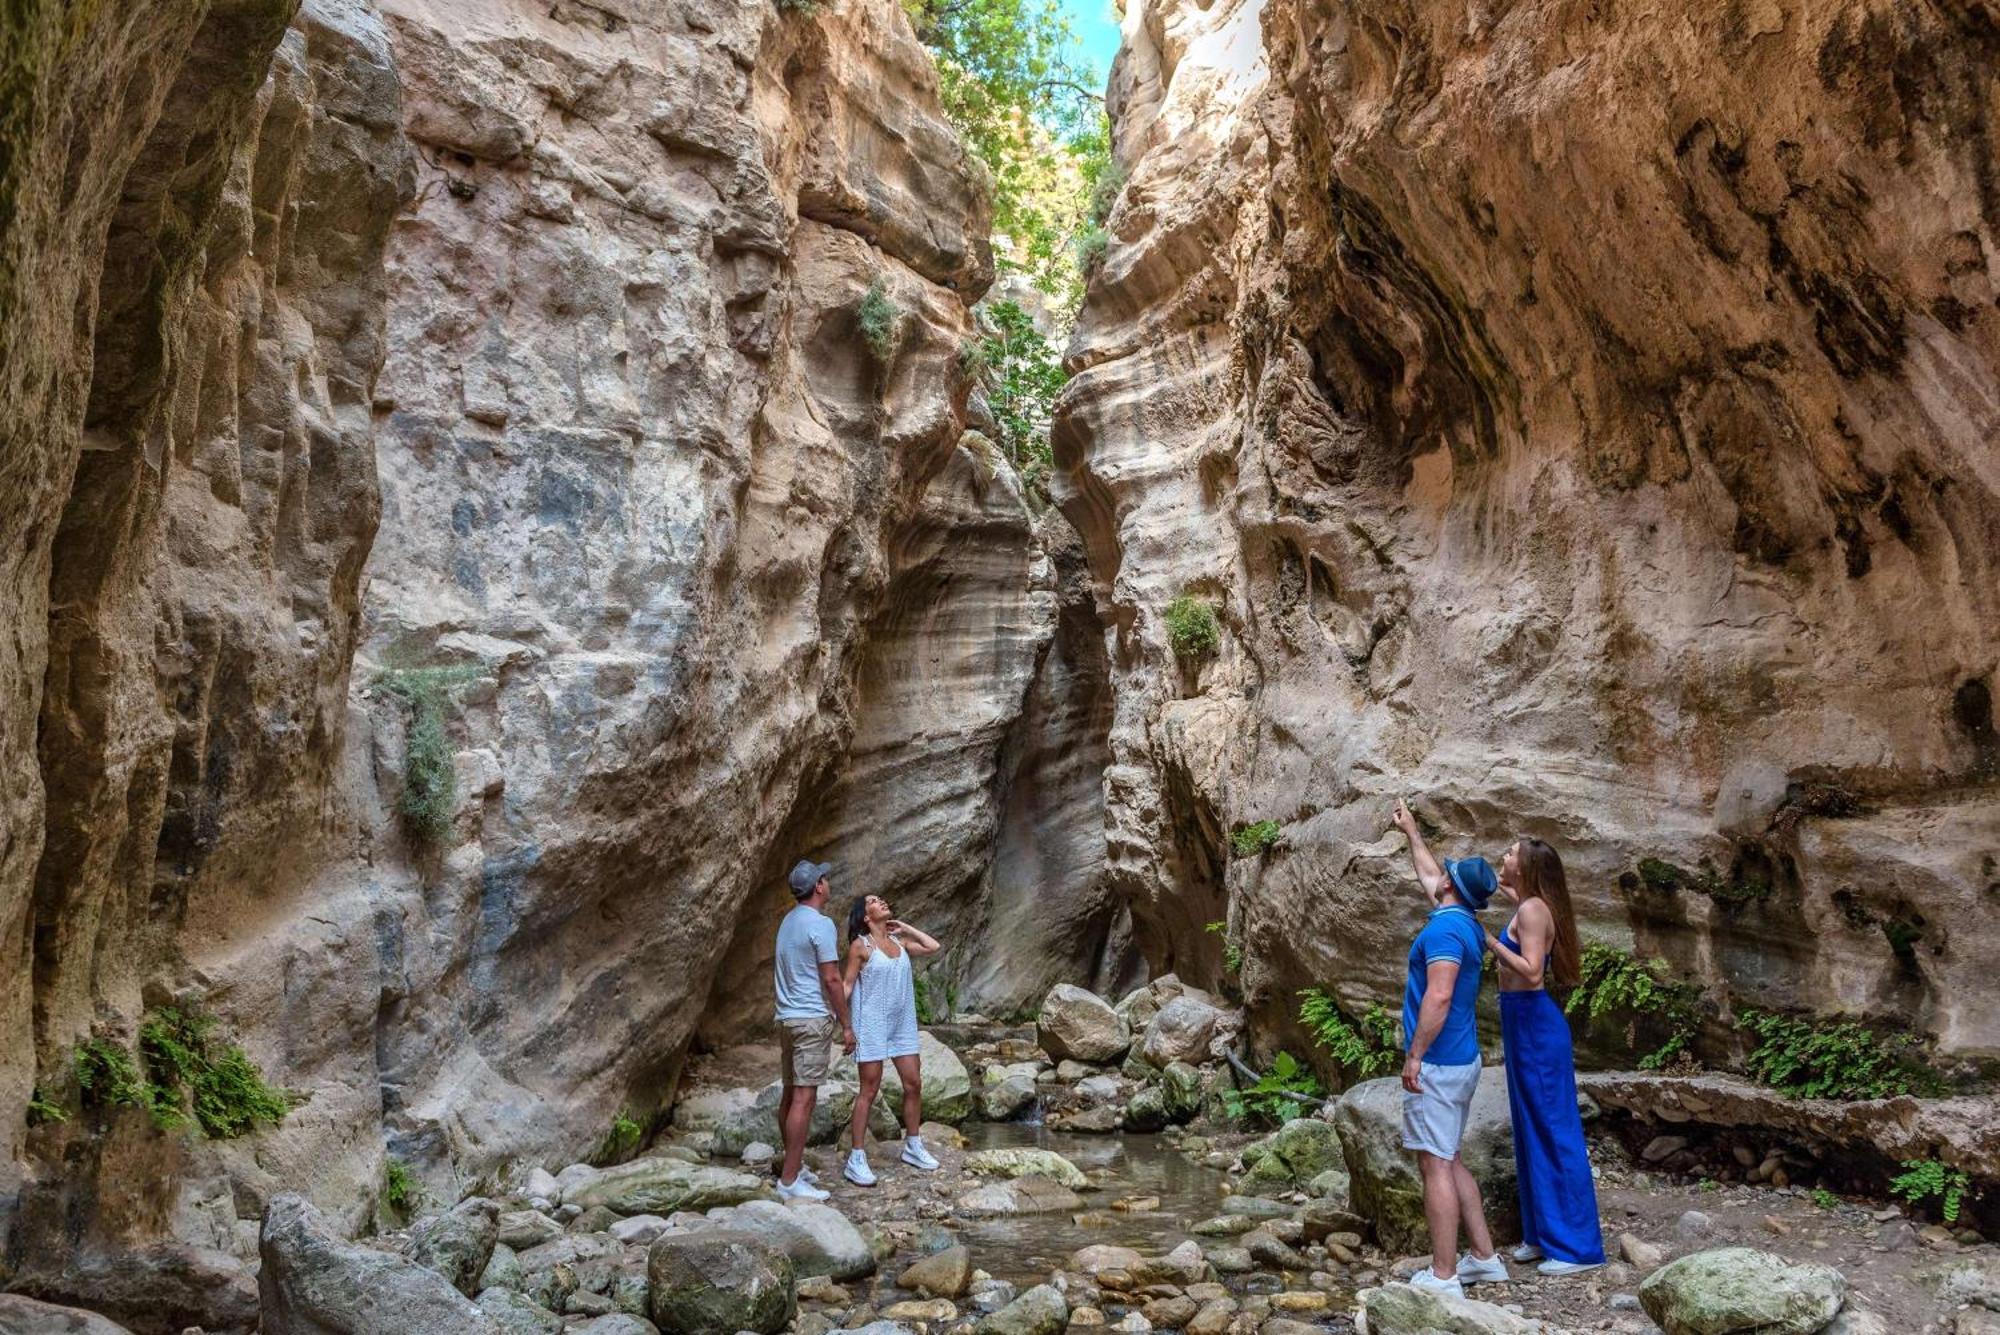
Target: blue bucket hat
[(1473, 879)]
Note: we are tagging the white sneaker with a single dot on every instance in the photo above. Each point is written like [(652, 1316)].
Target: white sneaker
[(800, 1190), (1472, 1270), (856, 1169), (916, 1156), (1567, 1267), (808, 1176), (1527, 1252), (1426, 1278)]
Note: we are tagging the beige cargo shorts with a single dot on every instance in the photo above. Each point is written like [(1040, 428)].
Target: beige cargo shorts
[(806, 1049)]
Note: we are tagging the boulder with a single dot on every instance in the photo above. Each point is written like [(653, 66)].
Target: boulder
[(1183, 1265), (1077, 1024), (1180, 1032), (1731, 1289), (621, 1323), (1099, 1088), (25, 1316), (522, 1229), (313, 1283), (662, 1185), (740, 1118), (1040, 1311), (1180, 1089), (159, 1288), (1382, 1176), (541, 1184), (1299, 1151), (1398, 1309), (517, 1314), (1007, 1100), (1025, 1195), (945, 1274), (458, 1243), (1024, 1162), (818, 1238), (1101, 1120), (1094, 1260), (503, 1270), (1146, 1110), (717, 1279), (639, 1230), (947, 1084)]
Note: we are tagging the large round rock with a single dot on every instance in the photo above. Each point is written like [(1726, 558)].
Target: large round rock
[(1739, 1289), (1383, 1182), (1078, 1024), (718, 1279), (1181, 1032)]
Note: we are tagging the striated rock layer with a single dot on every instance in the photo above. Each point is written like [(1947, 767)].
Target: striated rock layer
[(1587, 423)]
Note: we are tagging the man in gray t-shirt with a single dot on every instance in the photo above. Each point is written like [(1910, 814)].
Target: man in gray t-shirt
[(812, 1011)]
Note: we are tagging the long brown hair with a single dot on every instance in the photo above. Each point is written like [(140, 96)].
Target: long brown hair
[(1541, 877)]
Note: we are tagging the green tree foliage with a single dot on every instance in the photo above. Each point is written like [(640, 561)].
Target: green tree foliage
[(1022, 374), (1028, 108), (400, 1190)]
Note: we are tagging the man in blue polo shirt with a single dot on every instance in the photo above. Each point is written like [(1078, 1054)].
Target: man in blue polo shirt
[(1441, 1061)]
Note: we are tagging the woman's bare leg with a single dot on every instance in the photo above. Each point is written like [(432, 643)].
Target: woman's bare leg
[(911, 1071), (864, 1101)]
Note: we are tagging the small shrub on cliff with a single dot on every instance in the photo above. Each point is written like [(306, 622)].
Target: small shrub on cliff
[(1232, 953), (1091, 244), (1925, 1178), (620, 1141), (430, 785), (187, 1067), (107, 1076), (1022, 375), (1364, 1048), (1812, 1059), (1192, 629), (1104, 193), (400, 1191), (1254, 839), (881, 323), (1612, 981)]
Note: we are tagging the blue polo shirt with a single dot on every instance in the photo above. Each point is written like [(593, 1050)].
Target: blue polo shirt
[(1451, 933)]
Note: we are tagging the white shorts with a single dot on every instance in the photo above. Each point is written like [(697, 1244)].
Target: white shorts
[(1434, 1121)]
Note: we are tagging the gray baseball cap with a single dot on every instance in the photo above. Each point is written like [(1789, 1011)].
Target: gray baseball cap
[(806, 875)]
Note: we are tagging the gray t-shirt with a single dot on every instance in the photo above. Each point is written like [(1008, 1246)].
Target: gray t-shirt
[(805, 941)]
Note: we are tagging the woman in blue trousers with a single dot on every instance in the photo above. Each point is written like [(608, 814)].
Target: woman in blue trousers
[(1559, 1224)]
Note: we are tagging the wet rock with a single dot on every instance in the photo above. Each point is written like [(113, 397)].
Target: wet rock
[(1146, 1110), (26, 1316), (1223, 1226), (1731, 1289), (1087, 1318), (1073, 1072), (1039, 1311), (313, 1283), (1095, 1260), (1173, 1313), (522, 1229), (515, 1314), (1323, 1218), (1025, 1195), (1180, 1090), (1101, 1120), (1231, 1260), (945, 1274), (717, 1279), (1008, 1099), (1132, 1323), (1181, 1032), (1080, 1025), (458, 1243), (1301, 1301), (1212, 1318), (1099, 1088), (990, 1295), (1185, 1264), (1266, 1249), (1398, 1309), (1023, 1162), (819, 1239), (663, 1185), (1298, 1151), (1383, 1182)]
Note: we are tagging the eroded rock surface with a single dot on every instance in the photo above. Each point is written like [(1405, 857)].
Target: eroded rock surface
[(1627, 480)]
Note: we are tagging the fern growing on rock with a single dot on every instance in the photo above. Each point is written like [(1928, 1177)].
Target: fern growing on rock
[(881, 322), (1612, 981), (1837, 1059), (1192, 628), (1365, 1047)]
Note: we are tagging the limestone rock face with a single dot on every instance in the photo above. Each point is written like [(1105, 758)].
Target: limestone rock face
[(1627, 481)]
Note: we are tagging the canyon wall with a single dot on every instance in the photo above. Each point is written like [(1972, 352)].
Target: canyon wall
[(1587, 423), (472, 401)]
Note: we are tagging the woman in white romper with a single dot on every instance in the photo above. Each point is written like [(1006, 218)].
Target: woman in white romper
[(882, 996)]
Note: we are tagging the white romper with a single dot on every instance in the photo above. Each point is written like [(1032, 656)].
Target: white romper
[(885, 1007)]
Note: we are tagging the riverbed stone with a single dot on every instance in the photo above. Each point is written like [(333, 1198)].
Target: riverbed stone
[(659, 1185), (1039, 1311), (458, 1243), (516, 1314), (1398, 1309), (718, 1279), (522, 1229), (1298, 1151), (1732, 1289), (25, 1316), (1077, 1024), (639, 1230), (620, 1323), (1267, 1249), (947, 1085), (1008, 1099), (1181, 1032), (1101, 1120), (1223, 1226), (819, 1239), (1146, 1110), (1183, 1265), (1024, 1161), (1023, 1195), (945, 1274), (1094, 1260), (503, 1270), (314, 1283), (1383, 1182)]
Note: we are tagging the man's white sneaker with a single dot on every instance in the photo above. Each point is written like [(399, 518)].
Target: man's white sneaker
[(800, 1190), (1567, 1267), (916, 1156), (1527, 1252), (808, 1176), (1426, 1278), (1492, 1270), (856, 1169)]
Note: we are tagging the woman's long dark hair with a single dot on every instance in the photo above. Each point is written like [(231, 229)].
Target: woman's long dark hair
[(857, 917), (1541, 873)]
